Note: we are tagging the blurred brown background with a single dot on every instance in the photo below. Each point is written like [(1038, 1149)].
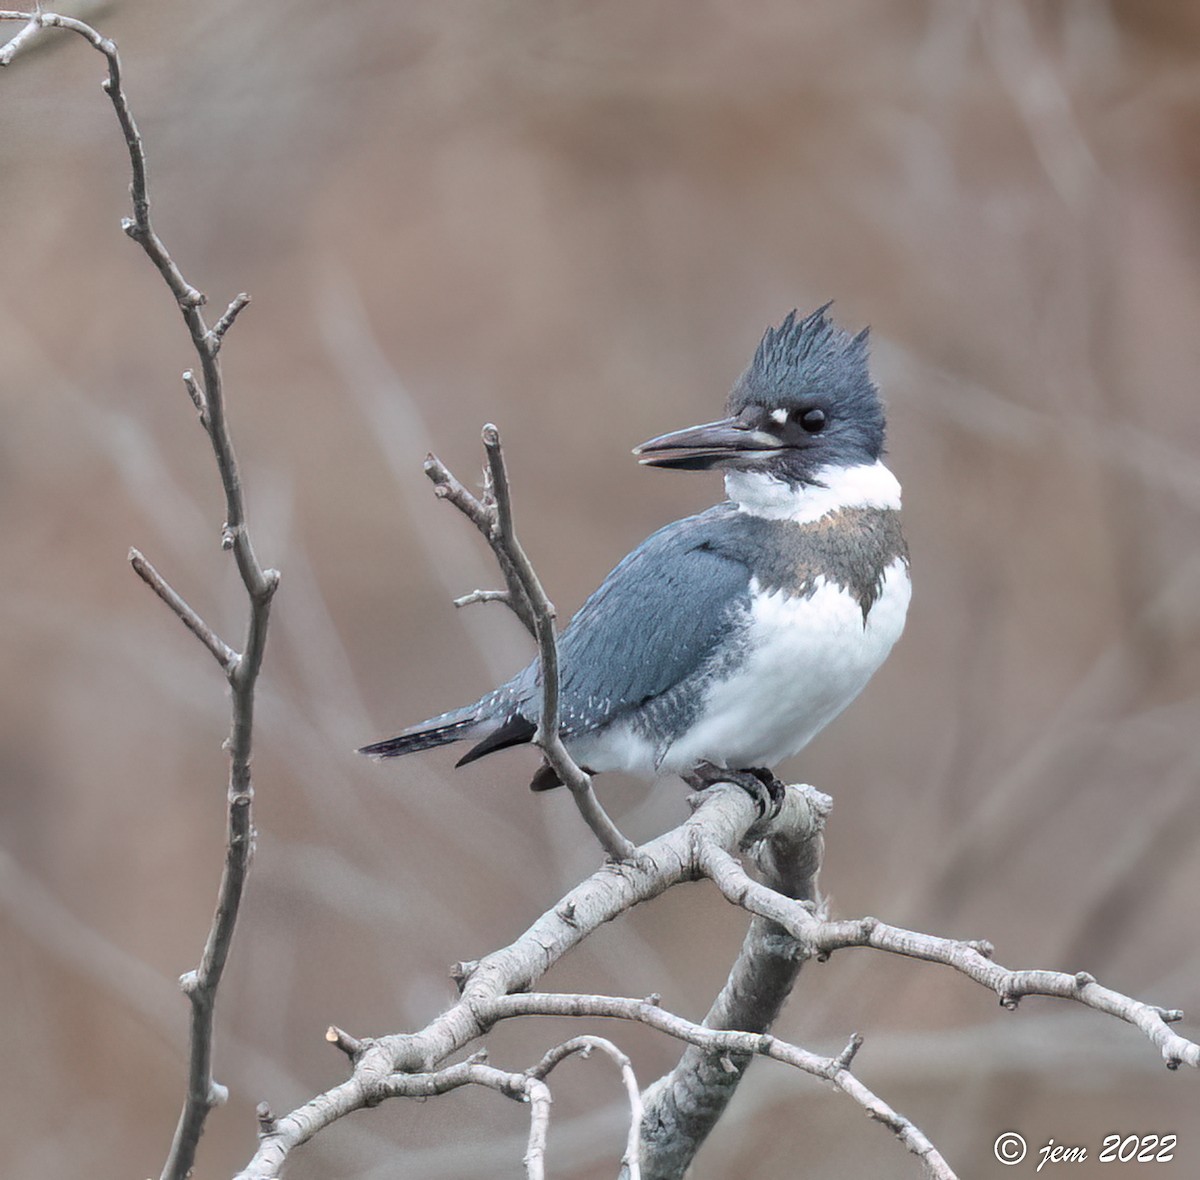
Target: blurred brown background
[(575, 221)]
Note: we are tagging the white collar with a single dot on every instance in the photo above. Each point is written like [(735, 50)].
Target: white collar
[(865, 486)]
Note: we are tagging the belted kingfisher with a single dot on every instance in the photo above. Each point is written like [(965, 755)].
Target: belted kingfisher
[(724, 642)]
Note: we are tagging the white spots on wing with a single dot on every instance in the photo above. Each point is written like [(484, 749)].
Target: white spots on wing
[(869, 485)]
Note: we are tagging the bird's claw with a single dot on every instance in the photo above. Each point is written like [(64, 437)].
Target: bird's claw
[(775, 788), (758, 782)]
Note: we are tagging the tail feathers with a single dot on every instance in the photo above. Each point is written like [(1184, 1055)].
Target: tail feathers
[(516, 731), (441, 731)]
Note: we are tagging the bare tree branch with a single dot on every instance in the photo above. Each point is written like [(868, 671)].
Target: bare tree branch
[(197, 396), (683, 1107), (820, 937), (497, 987), (724, 815), (31, 37), (723, 1042), (612, 890), (242, 669), (492, 516), (22, 40), (221, 651), (485, 596), (349, 1045), (482, 514), (631, 1160), (235, 308), (539, 1129)]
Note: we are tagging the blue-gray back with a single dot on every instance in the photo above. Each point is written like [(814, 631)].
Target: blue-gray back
[(655, 620)]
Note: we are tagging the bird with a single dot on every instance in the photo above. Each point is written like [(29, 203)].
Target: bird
[(722, 644)]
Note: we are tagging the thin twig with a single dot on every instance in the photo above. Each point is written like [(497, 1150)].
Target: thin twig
[(199, 985), (22, 40), (473, 1072), (821, 937), (583, 1046), (482, 514), (197, 396), (349, 1045), (493, 517), (722, 1041), (484, 596), (528, 584), (538, 1094), (235, 308), (221, 651), (548, 736)]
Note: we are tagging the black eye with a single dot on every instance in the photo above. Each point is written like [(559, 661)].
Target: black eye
[(812, 420)]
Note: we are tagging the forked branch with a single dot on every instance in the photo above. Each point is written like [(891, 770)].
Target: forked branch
[(498, 987), (683, 1107), (492, 516), (583, 1046), (240, 668), (820, 937)]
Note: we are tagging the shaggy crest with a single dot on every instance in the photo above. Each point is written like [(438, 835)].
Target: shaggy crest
[(803, 357)]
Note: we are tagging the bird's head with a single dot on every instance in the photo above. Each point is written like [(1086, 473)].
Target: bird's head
[(806, 403)]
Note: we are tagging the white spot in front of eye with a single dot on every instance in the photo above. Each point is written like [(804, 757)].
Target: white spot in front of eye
[(779, 416)]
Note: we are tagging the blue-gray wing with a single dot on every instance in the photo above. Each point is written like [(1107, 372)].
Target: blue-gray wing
[(655, 620)]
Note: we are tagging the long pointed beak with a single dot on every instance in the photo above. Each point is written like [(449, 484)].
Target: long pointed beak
[(698, 448)]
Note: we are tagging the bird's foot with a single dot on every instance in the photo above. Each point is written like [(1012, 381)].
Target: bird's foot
[(757, 781), (776, 788)]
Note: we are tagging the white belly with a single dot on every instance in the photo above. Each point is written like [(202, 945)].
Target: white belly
[(809, 657)]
